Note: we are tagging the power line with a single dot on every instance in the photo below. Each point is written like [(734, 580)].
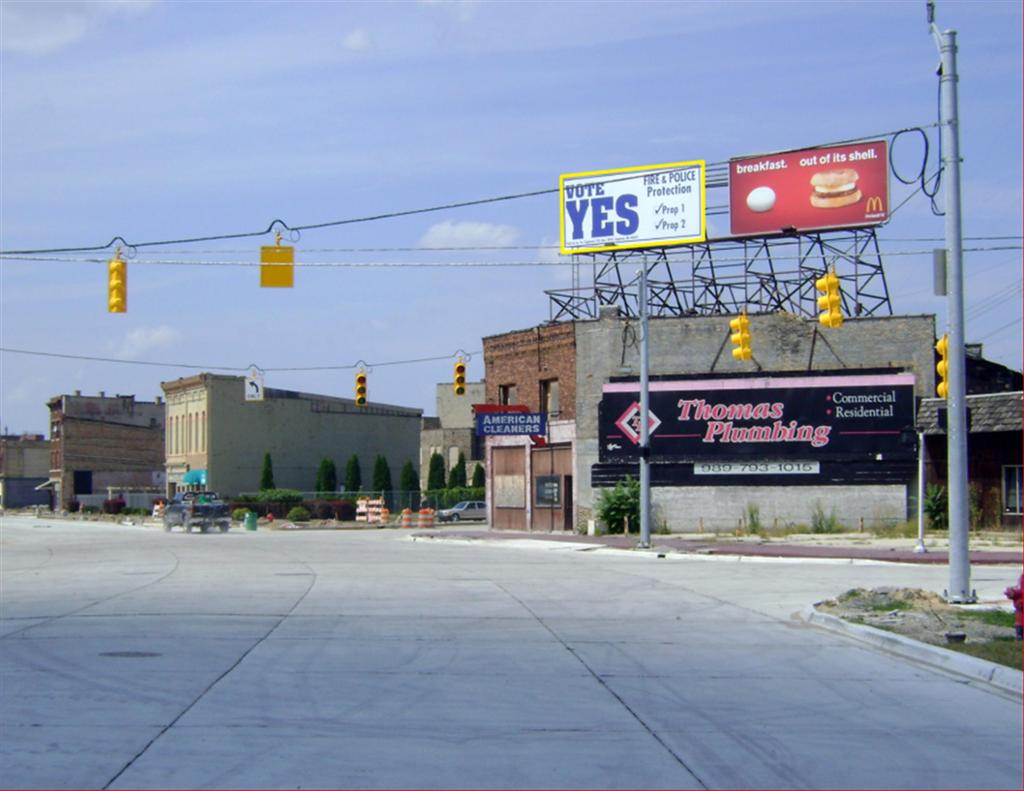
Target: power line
[(433, 264), (192, 366), (718, 181)]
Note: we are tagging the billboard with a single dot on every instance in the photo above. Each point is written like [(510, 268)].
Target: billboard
[(625, 208), (765, 419), (813, 189)]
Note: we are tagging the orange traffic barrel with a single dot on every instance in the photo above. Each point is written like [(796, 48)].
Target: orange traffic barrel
[(407, 517)]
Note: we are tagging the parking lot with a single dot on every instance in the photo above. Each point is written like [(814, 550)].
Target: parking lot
[(134, 658)]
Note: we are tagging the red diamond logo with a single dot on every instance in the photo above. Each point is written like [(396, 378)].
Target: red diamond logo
[(629, 423)]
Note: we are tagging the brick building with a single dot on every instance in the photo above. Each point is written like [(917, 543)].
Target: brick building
[(24, 470), (530, 483), (861, 382), (100, 444)]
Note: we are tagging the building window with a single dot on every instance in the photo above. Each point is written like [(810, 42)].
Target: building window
[(203, 434), (549, 397), (1012, 489), (507, 394)]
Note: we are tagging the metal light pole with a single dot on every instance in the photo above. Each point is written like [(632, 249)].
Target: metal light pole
[(645, 451), (920, 493), (956, 431)]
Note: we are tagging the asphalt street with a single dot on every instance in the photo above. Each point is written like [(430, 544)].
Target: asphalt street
[(134, 658)]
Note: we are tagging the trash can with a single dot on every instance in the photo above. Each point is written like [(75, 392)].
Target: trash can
[(250, 520)]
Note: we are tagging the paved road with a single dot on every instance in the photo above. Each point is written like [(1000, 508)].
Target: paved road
[(132, 658)]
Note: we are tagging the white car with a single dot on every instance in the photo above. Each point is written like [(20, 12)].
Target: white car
[(466, 510)]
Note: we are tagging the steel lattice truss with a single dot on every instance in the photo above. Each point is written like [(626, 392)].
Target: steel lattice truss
[(763, 275)]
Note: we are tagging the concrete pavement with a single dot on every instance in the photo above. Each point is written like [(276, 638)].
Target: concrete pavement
[(135, 658)]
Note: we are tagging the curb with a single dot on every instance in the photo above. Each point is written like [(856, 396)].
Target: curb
[(1001, 678)]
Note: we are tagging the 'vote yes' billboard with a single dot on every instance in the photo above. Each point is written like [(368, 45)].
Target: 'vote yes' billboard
[(625, 208)]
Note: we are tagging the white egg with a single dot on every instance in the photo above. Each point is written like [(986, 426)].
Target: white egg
[(761, 199)]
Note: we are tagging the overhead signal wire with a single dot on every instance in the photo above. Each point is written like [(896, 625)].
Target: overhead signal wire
[(724, 259), (192, 366), (719, 170)]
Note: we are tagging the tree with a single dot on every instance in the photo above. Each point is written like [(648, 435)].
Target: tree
[(326, 476), (353, 475), (479, 479), (381, 475), (457, 477), (408, 480), (435, 472), (267, 475)]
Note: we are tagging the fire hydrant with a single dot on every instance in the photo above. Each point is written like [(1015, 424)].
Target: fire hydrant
[(1015, 593)]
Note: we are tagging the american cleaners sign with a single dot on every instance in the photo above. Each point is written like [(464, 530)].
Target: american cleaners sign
[(768, 418), (624, 208)]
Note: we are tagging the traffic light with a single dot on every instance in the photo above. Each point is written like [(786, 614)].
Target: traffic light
[(361, 388), (117, 285), (942, 367), (830, 301), (740, 337), (459, 378)]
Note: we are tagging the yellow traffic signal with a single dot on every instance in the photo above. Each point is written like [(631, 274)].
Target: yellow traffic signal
[(740, 337), (361, 388), (942, 367), (277, 265), (459, 378), (117, 285), (830, 302)]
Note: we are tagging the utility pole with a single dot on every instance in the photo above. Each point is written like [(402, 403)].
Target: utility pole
[(956, 431), (645, 450)]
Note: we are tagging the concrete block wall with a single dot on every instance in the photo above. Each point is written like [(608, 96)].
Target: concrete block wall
[(691, 509), (609, 347)]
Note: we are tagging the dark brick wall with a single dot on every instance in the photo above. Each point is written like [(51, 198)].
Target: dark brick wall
[(526, 358)]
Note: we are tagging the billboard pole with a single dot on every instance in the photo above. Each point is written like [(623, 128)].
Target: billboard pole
[(645, 469), (956, 432)]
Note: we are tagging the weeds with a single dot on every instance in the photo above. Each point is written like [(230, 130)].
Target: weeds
[(822, 523)]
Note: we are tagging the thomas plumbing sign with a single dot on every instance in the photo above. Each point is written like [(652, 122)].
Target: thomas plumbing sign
[(813, 417), (648, 206)]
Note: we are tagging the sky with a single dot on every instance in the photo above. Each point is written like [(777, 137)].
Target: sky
[(156, 120)]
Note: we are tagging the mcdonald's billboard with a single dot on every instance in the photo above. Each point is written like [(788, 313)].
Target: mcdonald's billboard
[(811, 189)]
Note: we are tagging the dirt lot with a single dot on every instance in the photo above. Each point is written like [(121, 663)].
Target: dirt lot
[(917, 614)]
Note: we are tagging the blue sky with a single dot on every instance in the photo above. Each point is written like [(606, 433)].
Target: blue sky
[(163, 120)]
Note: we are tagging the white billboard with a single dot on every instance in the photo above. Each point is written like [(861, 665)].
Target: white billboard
[(625, 208)]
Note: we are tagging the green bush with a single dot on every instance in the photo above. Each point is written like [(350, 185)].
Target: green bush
[(280, 496), (90, 509), (298, 514), (935, 509), (446, 498), (617, 504), (479, 477), (239, 514)]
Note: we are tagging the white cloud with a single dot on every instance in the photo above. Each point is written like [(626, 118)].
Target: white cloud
[(38, 28), (469, 234), (145, 339), (357, 41)]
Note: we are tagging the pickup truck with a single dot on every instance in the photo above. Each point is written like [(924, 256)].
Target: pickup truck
[(197, 509)]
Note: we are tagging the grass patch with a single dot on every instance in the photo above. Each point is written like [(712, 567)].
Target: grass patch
[(889, 605), (1002, 650), (993, 617)]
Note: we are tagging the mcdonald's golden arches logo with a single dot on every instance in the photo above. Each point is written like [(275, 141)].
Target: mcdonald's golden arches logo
[(874, 205)]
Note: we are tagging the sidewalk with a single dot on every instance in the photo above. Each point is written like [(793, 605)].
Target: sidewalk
[(853, 546)]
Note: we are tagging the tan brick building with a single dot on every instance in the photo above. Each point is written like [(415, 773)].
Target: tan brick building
[(216, 439), (100, 444)]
